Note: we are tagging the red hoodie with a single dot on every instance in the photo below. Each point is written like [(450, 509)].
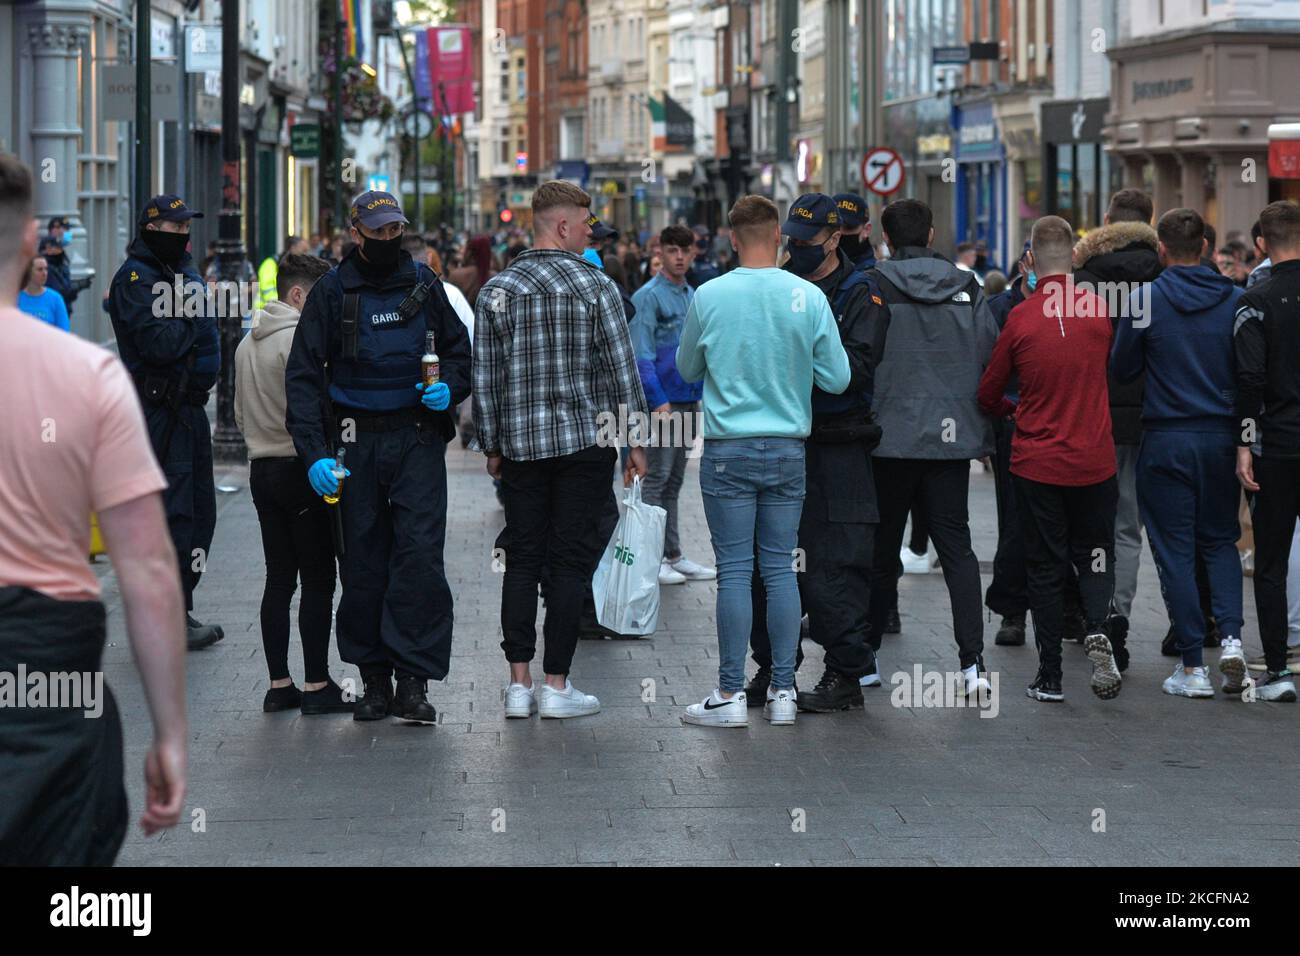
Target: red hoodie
[(1058, 342)]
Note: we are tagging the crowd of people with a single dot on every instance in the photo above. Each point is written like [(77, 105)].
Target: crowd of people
[(1118, 381)]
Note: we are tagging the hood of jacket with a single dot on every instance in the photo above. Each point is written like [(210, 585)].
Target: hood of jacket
[(273, 317), (923, 275), (1191, 289), (1119, 252)]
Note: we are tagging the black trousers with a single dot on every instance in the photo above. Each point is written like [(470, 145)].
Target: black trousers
[(396, 610), (942, 488), (1008, 593), (1063, 527), (553, 509), (1275, 508), (191, 496), (296, 544), (62, 798), (837, 536)]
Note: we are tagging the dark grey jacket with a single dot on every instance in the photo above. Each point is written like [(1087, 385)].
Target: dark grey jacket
[(941, 335)]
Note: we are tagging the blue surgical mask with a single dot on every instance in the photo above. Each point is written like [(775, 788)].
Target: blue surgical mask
[(592, 256), (1031, 280), (67, 238)]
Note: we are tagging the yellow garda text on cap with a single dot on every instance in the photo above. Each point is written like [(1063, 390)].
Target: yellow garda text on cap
[(380, 202), (802, 213), (177, 203), (848, 204)]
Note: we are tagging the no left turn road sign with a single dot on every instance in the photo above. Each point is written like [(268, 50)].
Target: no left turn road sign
[(882, 171)]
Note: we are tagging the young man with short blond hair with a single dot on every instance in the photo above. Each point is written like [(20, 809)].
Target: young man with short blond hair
[(553, 356)]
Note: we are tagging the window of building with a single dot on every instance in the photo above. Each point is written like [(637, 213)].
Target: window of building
[(505, 81), (521, 79), (505, 145)]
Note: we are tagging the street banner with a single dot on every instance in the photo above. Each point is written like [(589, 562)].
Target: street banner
[(353, 42), (423, 90), (451, 70)]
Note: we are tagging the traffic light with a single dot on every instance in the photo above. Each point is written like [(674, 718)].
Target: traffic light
[(506, 215), (503, 210)]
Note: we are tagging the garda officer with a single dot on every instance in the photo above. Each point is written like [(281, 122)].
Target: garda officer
[(353, 381), (855, 230), (167, 337), (838, 523)]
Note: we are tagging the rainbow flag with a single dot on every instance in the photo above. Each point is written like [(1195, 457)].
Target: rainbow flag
[(352, 39)]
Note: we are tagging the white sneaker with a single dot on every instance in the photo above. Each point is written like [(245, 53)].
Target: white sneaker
[(692, 571), (1182, 684), (569, 702), (781, 707), (973, 682), (520, 701), (717, 711), (914, 563), (871, 679), (668, 576), (1232, 665)]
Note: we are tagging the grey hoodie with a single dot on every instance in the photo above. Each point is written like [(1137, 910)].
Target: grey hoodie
[(941, 335), (259, 381)]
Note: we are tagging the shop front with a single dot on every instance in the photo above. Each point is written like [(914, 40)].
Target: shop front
[(1191, 115), (981, 183), (1079, 176)]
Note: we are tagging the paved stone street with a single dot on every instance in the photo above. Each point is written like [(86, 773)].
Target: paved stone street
[(1179, 781)]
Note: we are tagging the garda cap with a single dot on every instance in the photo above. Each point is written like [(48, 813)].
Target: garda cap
[(373, 209), (168, 208), (809, 215), (853, 210), (599, 230)]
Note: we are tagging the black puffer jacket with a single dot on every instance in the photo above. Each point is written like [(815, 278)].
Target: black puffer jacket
[(1121, 252)]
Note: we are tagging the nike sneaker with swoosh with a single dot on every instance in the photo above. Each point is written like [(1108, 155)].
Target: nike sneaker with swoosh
[(718, 711)]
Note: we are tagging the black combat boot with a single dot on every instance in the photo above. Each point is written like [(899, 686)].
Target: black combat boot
[(833, 692), (412, 701), (377, 699)]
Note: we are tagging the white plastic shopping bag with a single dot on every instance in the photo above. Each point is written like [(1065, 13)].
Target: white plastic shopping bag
[(626, 585)]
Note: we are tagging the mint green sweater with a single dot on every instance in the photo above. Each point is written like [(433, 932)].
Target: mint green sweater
[(760, 339)]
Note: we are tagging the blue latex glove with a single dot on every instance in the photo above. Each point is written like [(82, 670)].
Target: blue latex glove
[(321, 476), (436, 396)]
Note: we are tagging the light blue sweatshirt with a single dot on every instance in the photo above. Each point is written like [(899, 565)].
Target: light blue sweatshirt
[(760, 339)]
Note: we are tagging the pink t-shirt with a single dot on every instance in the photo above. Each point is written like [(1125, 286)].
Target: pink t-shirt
[(72, 441)]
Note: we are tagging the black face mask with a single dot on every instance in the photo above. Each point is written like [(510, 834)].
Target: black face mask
[(854, 247), (382, 253), (167, 246)]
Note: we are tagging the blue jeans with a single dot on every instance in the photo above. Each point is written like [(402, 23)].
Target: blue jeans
[(754, 487)]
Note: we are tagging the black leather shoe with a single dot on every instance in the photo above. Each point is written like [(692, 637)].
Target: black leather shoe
[(281, 698), (330, 699), (892, 624), (377, 699), (833, 692), (1117, 631), (412, 702), (1012, 631), (756, 689)]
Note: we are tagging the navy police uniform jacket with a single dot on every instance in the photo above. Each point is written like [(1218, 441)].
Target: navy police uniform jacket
[(382, 377), (155, 335)]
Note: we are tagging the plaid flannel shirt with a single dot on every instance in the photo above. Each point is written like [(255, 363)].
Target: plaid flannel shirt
[(552, 352)]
